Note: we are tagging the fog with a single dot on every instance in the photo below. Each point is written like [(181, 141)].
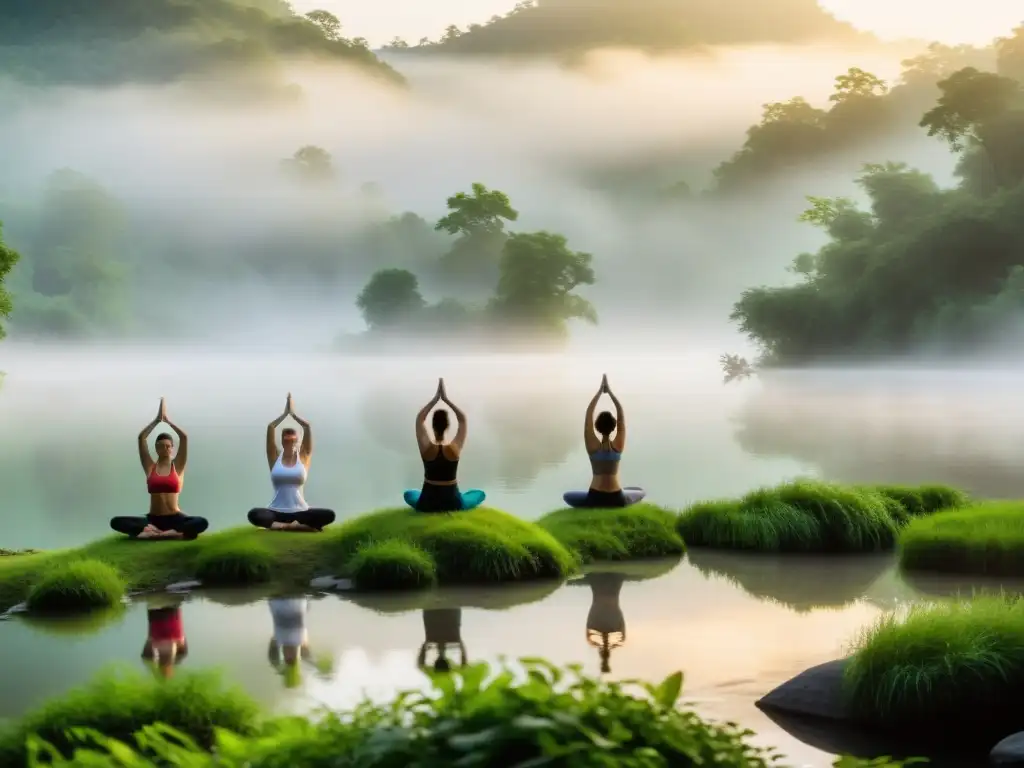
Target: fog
[(200, 176)]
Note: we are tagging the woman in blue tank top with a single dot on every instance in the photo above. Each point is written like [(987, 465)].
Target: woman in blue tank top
[(289, 468)]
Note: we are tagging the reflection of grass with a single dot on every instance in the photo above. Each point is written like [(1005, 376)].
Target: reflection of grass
[(985, 539), (638, 531), (950, 667), (802, 583), (488, 599), (810, 516), (642, 570), (74, 624)]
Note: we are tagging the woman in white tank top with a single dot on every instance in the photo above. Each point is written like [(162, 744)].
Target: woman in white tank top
[(290, 642), (289, 468)]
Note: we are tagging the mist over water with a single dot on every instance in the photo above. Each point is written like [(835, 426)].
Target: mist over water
[(201, 178)]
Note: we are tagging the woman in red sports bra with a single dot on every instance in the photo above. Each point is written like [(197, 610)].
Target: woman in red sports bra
[(165, 645), (164, 478)]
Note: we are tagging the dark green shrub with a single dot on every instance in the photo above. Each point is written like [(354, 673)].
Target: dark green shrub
[(79, 585), (391, 564)]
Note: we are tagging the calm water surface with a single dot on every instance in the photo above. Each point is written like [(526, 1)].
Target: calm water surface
[(736, 625)]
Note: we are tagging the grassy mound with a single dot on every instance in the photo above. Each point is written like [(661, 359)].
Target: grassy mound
[(391, 564), (235, 562), (481, 546), (801, 583), (985, 539), (630, 533), (80, 585), (809, 516), (479, 718), (956, 667), (118, 705)]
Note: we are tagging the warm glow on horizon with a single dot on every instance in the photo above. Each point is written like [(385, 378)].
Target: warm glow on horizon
[(979, 22)]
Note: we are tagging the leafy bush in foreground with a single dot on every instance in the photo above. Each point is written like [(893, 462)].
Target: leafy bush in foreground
[(546, 717)]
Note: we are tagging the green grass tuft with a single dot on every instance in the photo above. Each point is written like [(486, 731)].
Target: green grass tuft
[(917, 501), (810, 516), (119, 704), (480, 546), (629, 533), (951, 666), (983, 539), (391, 564), (235, 562), (79, 585)]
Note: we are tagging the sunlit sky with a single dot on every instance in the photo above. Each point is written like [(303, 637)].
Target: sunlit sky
[(977, 22)]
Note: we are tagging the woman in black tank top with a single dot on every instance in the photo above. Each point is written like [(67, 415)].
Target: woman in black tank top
[(440, 492)]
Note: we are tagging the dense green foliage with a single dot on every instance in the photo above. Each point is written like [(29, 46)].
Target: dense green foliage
[(118, 705), (76, 586), (534, 275), (235, 563), (638, 531), (472, 716), (924, 267), (118, 41), (982, 539), (952, 668), (810, 516), (560, 27), (8, 258)]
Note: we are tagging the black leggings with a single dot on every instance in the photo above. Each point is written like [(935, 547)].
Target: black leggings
[(314, 517), (184, 524)]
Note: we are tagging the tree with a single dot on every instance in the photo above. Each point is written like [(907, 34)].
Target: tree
[(328, 23), (538, 276), (390, 299), (397, 43), (451, 32), (8, 258), (857, 83), (479, 220), (310, 163), (1010, 54), (484, 210), (984, 109)]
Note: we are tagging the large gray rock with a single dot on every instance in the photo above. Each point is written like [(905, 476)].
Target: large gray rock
[(816, 692), (1009, 751)]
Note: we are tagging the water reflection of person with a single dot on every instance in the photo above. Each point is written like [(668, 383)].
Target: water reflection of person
[(290, 642), (606, 625), (443, 632), (166, 645)]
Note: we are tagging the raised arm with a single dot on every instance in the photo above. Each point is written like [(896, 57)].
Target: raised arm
[(272, 450), (422, 436), (590, 438), (463, 430), (145, 457), (619, 442), (181, 455), (306, 448)]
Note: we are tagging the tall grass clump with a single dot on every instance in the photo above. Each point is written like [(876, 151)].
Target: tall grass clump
[(955, 666), (391, 564), (237, 562), (629, 533), (984, 539), (916, 501), (799, 516), (119, 704), (79, 585), (479, 546)]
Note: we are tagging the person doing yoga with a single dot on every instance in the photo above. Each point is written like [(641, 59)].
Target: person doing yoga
[(605, 454), (440, 491), (289, 468), (164, 478)]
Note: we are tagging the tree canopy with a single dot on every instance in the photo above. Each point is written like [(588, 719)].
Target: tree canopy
[(558, 27), (8, 258), (922, 267), (107, 42)]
